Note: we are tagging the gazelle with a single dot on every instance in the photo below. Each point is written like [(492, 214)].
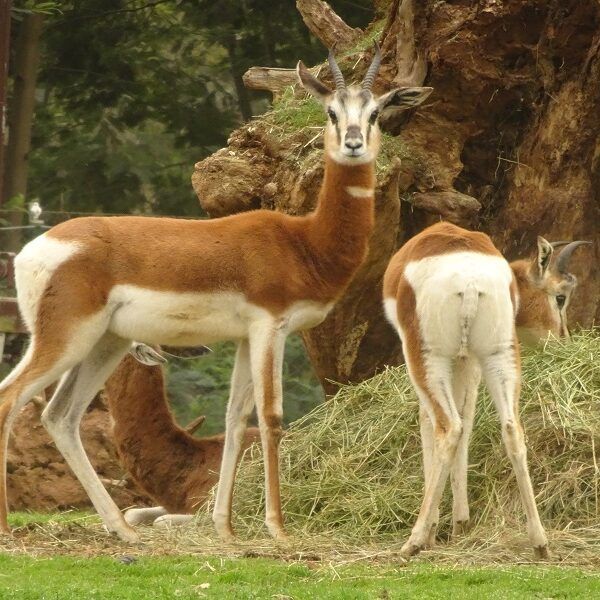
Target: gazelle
[(545, 289), (89, 286), (174, 468), (452, 297)]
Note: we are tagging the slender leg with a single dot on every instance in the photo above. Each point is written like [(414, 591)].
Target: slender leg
[(143, 516), (466, 382), (63, 415), (239, 409), (427, 445), (447, 428), (168, 521), (501, 374), (34, 372), (267, 345)]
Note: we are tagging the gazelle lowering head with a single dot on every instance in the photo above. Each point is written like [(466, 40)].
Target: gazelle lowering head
[(88, 287), (452, 297), (545, 290), (352, 132)]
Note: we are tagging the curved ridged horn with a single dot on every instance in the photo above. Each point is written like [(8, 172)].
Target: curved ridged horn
[(562, 262), (558, 244), (373, 69), (340, 84)]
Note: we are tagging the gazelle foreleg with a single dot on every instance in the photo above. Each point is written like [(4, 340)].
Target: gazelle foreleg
[(502, 378), (267, 345), (63, 415), (467, 376), (239, 408)]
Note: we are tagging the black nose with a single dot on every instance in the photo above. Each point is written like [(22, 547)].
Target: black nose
[(353, 143)]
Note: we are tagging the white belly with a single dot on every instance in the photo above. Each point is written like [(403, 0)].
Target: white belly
[(190, 319)]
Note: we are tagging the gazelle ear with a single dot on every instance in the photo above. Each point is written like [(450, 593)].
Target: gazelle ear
[(544, 254), (311, 84), (404, 98)]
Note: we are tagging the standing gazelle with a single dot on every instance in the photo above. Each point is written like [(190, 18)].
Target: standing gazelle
[(89, 286), (453, 298)]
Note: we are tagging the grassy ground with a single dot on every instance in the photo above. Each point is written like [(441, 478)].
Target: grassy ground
[(26, 578), (69, 556)]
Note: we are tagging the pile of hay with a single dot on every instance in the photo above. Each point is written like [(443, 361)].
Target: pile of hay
[(352, 467)]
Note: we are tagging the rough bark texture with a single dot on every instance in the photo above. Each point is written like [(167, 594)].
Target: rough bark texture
[(511, 127)]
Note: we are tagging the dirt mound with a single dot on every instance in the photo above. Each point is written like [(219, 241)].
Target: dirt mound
[(39, 478)]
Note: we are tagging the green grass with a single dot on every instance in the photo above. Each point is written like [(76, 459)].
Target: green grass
[(66, 578), (29, 518)]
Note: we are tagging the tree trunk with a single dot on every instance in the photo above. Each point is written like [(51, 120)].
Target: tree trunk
[(5, 6), (511, 128), (236, 74), (21, 115)]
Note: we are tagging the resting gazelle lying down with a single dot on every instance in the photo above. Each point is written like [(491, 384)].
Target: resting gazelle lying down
[(174, 468), (453, 299)]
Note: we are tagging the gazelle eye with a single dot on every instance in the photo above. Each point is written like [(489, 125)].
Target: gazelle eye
[(373, 117), (332, 115), (560, 300)]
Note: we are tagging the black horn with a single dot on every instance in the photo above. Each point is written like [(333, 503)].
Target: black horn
[(373, 69), (562, 262), (340, 84)]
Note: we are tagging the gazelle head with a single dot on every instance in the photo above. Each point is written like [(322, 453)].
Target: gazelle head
[(352, 134), (552, 276), (545, 288)]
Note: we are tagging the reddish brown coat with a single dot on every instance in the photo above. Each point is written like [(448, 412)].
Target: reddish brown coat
[(174, 468)]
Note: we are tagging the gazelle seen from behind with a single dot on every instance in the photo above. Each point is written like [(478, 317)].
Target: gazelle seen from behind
[(453, 297), (89, 286)]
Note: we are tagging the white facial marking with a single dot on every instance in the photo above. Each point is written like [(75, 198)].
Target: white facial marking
[(359, 192)]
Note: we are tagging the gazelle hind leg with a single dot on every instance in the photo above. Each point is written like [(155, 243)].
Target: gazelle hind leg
[(502, 378), (467, 376), (239, 408), (447, 427), (32, 375), (267, 345), (63, 415), (168, 521), (427, 445), (143, 516)]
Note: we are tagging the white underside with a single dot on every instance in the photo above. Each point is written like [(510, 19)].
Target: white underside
[(190, 319), (157, 317)]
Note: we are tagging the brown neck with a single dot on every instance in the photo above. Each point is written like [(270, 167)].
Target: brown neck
[(137, 402), (343, 221)]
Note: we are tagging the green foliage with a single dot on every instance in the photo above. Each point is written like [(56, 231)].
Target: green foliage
[(201, 386), (131, 95), (186, 577)]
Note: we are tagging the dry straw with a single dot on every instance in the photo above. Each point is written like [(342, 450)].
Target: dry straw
[(352, 467)]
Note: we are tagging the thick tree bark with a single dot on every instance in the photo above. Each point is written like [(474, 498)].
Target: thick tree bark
[(512, 127), (21, 115)]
